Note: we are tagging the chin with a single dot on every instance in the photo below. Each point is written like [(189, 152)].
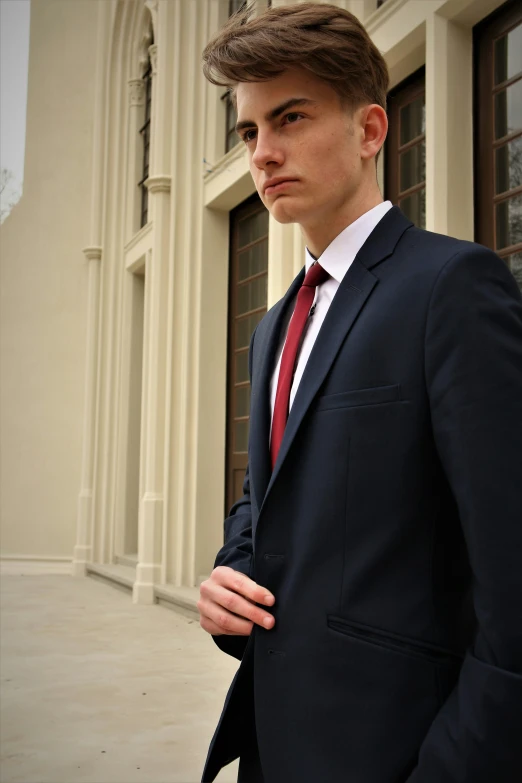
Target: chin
[(284, 213)]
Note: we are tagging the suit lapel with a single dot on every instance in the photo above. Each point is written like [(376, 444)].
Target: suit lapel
[(266, 342), (351, 296)]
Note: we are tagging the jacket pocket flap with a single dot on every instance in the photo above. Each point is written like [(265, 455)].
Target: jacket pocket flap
[(373, 396), (392, 641)]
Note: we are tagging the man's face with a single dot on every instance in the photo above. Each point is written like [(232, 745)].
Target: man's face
[(315, 144)]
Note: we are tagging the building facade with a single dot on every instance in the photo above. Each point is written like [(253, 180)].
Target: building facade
[(139, 260)]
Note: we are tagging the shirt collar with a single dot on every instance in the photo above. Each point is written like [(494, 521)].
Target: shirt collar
[(340, 253)]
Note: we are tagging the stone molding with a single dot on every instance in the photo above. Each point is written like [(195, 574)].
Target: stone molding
[(153, 5), (92, 253), (143, 59), (158, 184), (153, 54), (213, 170), (136, 92)]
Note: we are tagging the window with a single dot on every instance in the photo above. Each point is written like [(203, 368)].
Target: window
[(231, 137), (405, 151), (247, 306), (235, 5), (498, 134), (145, 134)]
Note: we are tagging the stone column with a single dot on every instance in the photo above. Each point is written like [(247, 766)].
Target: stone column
[(83, 549), (449, 128), (151, 514), (285, 257), (82, 553)]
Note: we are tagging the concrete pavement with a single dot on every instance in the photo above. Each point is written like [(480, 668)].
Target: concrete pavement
[(95, 689)]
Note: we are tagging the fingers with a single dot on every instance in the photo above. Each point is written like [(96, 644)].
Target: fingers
[(239, 583), (227, 603), (224, 607), (226, 626)]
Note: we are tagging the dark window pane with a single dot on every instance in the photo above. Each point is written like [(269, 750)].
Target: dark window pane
[(256, 318), (414, 207), (244, 328), (253, 261), (145, 133), (240, 436), (515, 264), (242, 406), (252, 295), (253, 227), (508, 110), (243, 299), (242, 332), (412, 120), (232, 141), (239, 476), (508, 166), (231, 117), (508, 55), (508, 222), (235, 5), (412, 167), (242, 367)]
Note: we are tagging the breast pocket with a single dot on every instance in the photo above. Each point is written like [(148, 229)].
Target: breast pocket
[(376, 395)]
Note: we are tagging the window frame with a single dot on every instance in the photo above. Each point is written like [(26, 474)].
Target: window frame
[(404, 93), (485, 34), (235, 461)]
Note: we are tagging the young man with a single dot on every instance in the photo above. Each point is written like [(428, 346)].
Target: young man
[(371, 576)]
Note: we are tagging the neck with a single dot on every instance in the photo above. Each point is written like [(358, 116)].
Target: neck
[(321, 233)]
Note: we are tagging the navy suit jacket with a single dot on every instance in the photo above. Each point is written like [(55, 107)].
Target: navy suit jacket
[(390, 530)]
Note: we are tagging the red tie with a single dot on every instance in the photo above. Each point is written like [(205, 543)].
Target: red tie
[(314, 277)]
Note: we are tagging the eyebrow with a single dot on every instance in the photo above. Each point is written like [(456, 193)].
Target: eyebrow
[(274, 113)]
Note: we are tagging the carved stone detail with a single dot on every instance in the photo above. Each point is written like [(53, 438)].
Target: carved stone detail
[(145, 43), (153, 54), (92, 253), (158, 184), (152, 5), (136, 92)]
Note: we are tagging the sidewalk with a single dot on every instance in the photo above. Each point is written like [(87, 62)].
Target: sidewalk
[(95, 689)]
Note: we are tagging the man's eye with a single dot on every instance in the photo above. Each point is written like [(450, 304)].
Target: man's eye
[(290, 117)]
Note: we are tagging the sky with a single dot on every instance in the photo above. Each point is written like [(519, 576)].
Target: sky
[(14, 61)]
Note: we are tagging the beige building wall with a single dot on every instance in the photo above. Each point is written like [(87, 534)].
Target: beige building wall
[(43, 277), (114, 392)]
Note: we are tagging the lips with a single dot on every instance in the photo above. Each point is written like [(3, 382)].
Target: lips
[(273, 186)]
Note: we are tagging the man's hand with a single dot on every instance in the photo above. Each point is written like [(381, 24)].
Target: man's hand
[(227, 603)]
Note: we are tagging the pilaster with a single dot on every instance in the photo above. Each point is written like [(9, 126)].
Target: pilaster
[(151, 512), (285, 257), (83, 549), (449, 128)]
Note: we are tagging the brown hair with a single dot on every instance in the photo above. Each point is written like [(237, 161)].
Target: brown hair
[(326, 40)]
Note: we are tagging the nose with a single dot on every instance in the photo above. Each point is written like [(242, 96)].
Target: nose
[(267, 149)]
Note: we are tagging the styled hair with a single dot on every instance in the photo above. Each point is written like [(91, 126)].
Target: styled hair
[(326, 40)]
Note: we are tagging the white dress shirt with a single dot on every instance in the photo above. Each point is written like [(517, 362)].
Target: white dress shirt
[(336, 260)]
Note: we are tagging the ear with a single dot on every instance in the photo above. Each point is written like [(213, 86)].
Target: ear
[(374, 127)]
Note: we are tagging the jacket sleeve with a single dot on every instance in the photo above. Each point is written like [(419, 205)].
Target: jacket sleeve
[(237, 551), (474, 381)]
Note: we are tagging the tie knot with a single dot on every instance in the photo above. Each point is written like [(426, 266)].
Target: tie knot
[(315, 276)]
